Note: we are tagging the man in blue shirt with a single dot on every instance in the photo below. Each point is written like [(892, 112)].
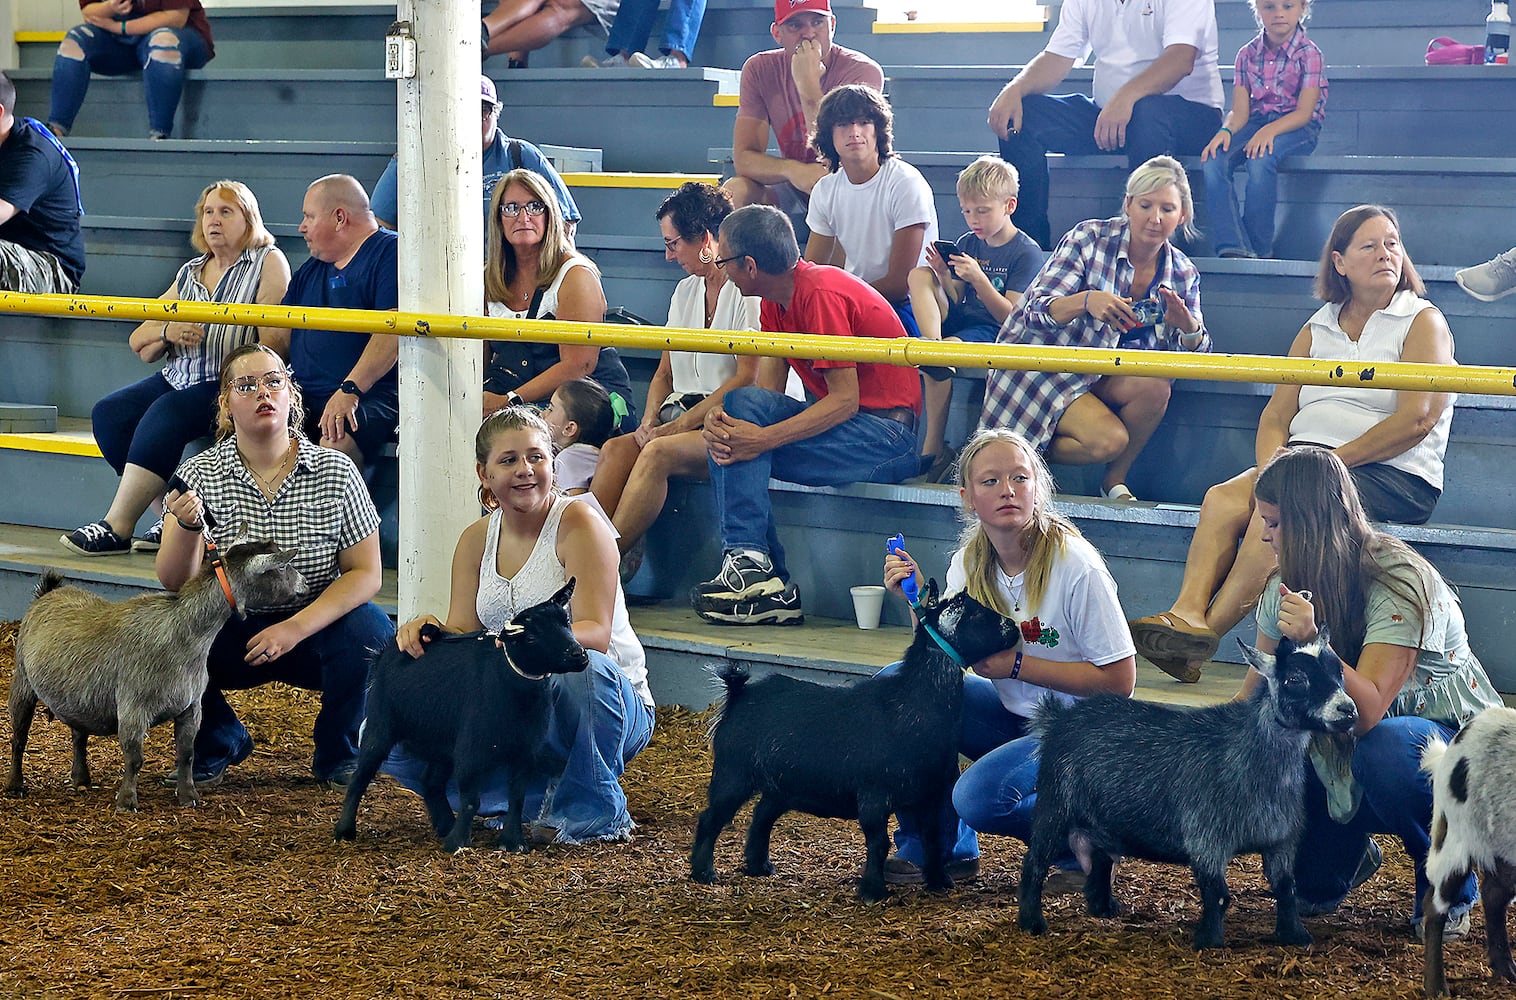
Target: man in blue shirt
[(349, 380), (41, 249), (502, 154)]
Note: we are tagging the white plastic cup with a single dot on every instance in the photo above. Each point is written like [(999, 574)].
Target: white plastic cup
[(867, 603)]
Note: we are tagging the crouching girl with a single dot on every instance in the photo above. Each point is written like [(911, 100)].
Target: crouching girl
[(1031, 564), (1399, 631), (520, 555)]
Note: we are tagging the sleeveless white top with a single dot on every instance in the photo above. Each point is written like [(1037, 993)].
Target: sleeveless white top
[(538, 579), (1331, 415)]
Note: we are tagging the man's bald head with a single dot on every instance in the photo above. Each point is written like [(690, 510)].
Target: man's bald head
[(335, 218)]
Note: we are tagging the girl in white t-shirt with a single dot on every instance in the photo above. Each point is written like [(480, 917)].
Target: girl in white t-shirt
[(1030, 563)]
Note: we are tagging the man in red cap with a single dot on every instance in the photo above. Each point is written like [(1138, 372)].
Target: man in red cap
[(781, 91)]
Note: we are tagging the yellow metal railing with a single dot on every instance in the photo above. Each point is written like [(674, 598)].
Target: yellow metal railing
[(900, 351)]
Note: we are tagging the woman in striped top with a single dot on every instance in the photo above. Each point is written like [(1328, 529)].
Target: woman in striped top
[(143, 429)]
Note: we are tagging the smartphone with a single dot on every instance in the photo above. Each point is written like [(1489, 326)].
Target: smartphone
[(1149, 311), (946, 249)]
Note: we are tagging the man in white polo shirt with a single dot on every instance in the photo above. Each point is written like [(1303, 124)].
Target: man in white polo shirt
[(1157, 90)]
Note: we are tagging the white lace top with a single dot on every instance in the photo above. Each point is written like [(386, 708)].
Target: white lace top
[(538, 579)]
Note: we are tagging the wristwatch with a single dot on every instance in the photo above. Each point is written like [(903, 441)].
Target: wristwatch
[(514, 398), (351, 388)]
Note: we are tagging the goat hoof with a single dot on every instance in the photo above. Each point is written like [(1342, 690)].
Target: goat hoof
[(758, 870), (1034, 924), (1204, 941), (873, 894), (126, 808), (703, 877), (1503, 971), (1106, 909), (341, 833), (15, 792), (1297, 937)]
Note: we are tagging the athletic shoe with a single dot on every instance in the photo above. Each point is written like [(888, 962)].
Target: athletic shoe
[(1494, 279), (97, 539), (648, 62), (782, 608), (745, 574), (1456, 928), (209, 775), (152, 540)]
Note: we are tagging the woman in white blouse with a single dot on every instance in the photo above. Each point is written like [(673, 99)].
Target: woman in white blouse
[(631, 481)]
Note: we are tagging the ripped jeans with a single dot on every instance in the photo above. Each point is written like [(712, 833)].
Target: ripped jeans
[(161, 56)]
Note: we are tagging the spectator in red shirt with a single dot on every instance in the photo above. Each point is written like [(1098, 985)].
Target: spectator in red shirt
[(861, 428)]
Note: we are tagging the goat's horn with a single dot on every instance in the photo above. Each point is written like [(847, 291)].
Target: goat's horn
[(509, 629)]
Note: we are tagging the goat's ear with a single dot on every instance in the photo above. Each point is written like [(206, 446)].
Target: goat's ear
[(929, 600), (287, 556), (564, 593), (1258, 659), (240, 535)]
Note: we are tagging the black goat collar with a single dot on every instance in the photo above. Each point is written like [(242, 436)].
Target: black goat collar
[(519, 672)]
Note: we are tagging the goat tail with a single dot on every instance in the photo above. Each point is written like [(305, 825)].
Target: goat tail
[(1046, 713), (734, 678), (1432, 754), (51, 580)]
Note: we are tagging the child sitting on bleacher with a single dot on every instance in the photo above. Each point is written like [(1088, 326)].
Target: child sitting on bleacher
[(969, 294), (581, 418), (1278, 105)]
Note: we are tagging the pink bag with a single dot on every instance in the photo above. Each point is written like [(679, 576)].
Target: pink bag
[(1446, 52)]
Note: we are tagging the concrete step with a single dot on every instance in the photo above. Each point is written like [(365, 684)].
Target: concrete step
[(834, 539), (681, 649), (1372, 110)]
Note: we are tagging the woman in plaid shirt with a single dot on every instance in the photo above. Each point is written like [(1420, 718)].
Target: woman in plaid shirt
[(1095, 291)]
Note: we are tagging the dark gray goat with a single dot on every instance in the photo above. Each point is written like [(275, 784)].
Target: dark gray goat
[(121, 667), (1119, 777)]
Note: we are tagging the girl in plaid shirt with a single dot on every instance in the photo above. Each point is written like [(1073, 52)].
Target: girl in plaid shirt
[(1278, 105), (1084, 296)]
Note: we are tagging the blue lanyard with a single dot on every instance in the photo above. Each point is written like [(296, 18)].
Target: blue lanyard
[(73, 167)]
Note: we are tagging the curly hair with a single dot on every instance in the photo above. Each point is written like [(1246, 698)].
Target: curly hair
[(855, 102), (695, 209)]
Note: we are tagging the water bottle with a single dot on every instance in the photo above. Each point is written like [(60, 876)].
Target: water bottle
[(1497, 32)]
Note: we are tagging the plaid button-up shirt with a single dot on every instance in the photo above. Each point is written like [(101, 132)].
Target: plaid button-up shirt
[(1274, 78), (1092, 256), (322, 507)]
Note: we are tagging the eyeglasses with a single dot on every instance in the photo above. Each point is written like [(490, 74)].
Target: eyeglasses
[(273, 382), (670, 244), (724, 261), (489, 109), (511, 209)]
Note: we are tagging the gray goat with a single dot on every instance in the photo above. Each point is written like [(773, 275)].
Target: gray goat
[(1119, 777), (1473, 827), (119, 668)]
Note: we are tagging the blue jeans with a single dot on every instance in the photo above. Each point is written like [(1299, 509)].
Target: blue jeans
[(598, 725), (161, 56), (1397, 799), (1251, 228), (986, 726), (1065, 123), (149, 423), (862, 449), (334, 661), (634, 24)]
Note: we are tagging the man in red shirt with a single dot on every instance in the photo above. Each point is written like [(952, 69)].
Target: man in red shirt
[(861, 428)]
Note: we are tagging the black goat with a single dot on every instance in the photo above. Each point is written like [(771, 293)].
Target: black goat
[(1119, 777), (858, 752), (467, 707)]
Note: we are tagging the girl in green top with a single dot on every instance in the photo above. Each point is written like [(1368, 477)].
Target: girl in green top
[(1399, 630)]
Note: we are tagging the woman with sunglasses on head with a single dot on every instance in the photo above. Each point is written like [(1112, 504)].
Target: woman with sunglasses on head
[(533, 272), (264, 478)]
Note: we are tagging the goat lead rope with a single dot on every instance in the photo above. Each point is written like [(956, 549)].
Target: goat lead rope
[(931, 630), (219, 567)]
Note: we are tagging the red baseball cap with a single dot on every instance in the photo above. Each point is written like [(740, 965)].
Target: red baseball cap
[(786, 9)]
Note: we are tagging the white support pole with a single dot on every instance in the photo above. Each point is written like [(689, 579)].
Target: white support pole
[(441, 271)]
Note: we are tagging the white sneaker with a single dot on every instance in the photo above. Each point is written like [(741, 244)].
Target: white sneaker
[(662, 62), (1494, 279)]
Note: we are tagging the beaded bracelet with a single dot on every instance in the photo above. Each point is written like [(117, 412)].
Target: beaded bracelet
[(1016, 667)]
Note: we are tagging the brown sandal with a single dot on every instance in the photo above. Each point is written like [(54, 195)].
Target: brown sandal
[(1166, 636)]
